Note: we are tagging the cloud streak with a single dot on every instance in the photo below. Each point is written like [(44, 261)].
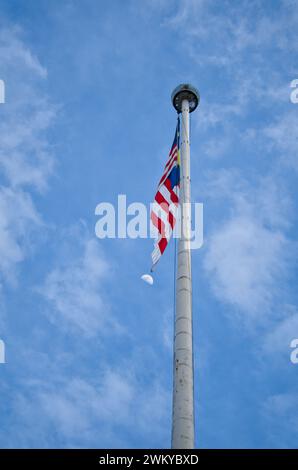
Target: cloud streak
[(25, 159), (74, 293), (248, 252)]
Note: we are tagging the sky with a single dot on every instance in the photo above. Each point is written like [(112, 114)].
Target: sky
[(88, 116)]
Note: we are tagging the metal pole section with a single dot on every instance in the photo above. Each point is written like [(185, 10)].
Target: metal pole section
[(183, 399)]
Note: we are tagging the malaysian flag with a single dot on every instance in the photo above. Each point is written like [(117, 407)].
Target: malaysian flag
[(164, 209)]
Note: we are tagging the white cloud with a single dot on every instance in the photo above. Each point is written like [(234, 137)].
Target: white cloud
[(278, 340), (92, 411), (18, 216), (75, 406), (167, 330), (280, 412), (25, 156), (109, 409), (243, 261), (74, 293), (283, 404), (15, 53), (240, 47), (231, 36), (25, 159), (282, 134), (247, 253)]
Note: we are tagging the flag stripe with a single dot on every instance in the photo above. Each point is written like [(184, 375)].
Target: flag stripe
[(164, 204), (167, 170), (158, 223), (165, 207), (174, 197), (162, 244)]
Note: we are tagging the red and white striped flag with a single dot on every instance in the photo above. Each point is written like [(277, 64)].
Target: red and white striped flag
[(164, 210)]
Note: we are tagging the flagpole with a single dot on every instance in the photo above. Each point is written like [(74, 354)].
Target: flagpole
[(185, 99)]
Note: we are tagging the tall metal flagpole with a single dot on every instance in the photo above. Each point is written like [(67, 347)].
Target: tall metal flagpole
[(185, 99)]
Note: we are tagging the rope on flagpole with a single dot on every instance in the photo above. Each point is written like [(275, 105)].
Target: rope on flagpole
[(175, 270), (175, 245)]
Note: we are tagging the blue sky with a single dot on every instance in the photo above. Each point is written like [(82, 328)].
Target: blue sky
[(87, 117)]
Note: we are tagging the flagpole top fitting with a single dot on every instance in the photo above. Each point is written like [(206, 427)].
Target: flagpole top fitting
[(185, 92)]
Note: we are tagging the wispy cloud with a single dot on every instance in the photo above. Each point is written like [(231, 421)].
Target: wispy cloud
[(282, 136), (247, 253), (232, 35), (15, 53), (25, 159), (110, 408), (277, 341), (73, 289), (79, 405), (280, 412), (18, 217)]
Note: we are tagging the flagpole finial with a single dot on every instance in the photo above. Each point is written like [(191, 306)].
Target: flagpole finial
[(185, 91)]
